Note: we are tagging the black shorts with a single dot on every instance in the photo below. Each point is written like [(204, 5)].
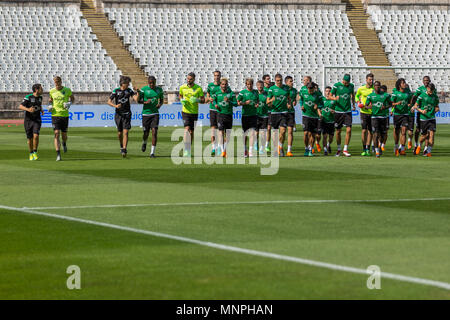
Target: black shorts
[(427, 126), (380, 125), (310, 124), (401, 121), (123, 121), (150, 122), (262, 123), (326, 127), (411, 123), (343, 120), (224, 121), (60, 123), (32, 127), (278, 120), (366, 121), (249, 122), (189, 119), (213, 118), (290, 119)]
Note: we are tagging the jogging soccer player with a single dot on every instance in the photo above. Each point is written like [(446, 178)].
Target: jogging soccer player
[(120, 100), (249, 100), (422, 89), (190, 95), (326, 122), (385, 137), (411, 119), (213, 87), (316, 136), (61, 98), (224, 101), (304, 89), (293, 94), (279, 101), (32, 105), (267, 85), (365, 114), (427, 105), (380, 103), (152, 98), (263, 117), (344, 94), (401, 103), (310, 116)]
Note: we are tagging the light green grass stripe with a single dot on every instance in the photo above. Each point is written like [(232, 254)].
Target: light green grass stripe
[(433, 283), (168, 204)]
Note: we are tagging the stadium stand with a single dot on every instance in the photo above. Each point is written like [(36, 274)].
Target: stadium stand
[(424, 40), (38, 42), (241, 42)]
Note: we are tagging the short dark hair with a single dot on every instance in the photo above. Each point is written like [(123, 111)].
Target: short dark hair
[(259, 81), (151, 78), (265, 76), (377, 82), (288, 78), (398, 83), (426, 77), (124, 79), (327, 87), (315, 85), (57, 78), (370, 75), (217, 71), (311, 85), (36, 87), (384, 88), (191, 74), (278, 76), (431, 86)]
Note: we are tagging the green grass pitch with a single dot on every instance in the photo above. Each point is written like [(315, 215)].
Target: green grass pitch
[(410, 238)]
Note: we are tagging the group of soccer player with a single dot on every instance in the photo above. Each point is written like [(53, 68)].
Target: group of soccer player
[(268, 113)]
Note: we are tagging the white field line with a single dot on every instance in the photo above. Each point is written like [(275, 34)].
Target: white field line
[(207, 203), (386, 275)]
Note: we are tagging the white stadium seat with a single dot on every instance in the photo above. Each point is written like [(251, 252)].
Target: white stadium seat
[(416, 37), (35, 47), (240, 42)]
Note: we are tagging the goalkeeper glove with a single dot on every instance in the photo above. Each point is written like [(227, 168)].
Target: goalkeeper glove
[(67, 105)]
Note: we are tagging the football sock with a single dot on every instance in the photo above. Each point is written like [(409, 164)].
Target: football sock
[(153, 149), (345, 147), (339, 147)]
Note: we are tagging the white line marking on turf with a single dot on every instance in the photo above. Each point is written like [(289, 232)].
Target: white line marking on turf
[(399, 277), (233, 203)]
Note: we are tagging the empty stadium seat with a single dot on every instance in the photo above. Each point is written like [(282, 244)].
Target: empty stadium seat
[(37, 43), (416, 38), (170, 42)]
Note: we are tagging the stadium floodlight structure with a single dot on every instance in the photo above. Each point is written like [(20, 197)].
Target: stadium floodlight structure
[(442, 81)]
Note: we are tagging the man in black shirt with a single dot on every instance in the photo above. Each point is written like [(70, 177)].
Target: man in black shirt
[(120, 100), (32, 105)]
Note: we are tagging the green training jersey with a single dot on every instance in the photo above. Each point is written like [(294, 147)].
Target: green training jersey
[(380, 104), (154, 98), (253, 97), (405, 98), (60, 97), (327, 108), (309, 102), (344, 104), (281, 94), (428, 103), (293, 95), (422, 89), (263, 110), (212, 90), (222, 106)]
